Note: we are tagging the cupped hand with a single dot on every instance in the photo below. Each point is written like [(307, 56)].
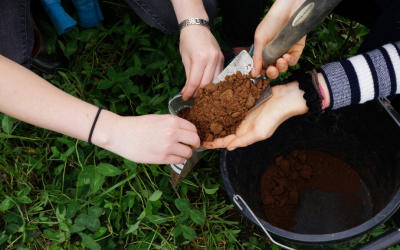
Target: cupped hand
[(260, 123), (273, 22), (201, 57), (155, 139)]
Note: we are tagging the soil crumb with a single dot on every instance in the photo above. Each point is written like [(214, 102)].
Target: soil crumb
[(283, 183), (220, 108)]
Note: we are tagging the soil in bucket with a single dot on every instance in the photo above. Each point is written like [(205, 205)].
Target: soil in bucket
[(307, 189), (220, 108)]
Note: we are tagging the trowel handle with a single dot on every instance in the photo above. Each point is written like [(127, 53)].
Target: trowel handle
[(309, 15)]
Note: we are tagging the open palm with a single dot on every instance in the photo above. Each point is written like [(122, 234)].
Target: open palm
[(260, 123)]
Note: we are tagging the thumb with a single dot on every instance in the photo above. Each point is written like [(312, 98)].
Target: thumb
[(295, 52), (257, 58), (187, 66)]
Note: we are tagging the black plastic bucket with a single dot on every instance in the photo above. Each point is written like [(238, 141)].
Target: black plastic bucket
[(364, 136)]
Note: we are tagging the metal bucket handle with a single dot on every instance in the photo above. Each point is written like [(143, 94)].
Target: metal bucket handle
[(236, 199)]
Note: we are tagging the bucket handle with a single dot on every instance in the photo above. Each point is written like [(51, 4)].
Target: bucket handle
[(236, 199), (389, 108)]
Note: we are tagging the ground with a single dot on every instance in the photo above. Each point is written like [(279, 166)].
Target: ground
[(57, 192)]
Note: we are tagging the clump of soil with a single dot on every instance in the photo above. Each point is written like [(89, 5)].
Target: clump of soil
[(283, 183), (220, 108)]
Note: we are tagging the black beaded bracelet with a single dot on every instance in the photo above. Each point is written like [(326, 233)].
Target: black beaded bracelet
[(313, 100), (94, 124)]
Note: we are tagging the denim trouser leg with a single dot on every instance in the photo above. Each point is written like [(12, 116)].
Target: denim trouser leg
[(160, 14), (16, 32)]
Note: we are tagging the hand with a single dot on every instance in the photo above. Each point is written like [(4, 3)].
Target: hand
[(286, 101), (156, 139), (201, 56), (273, 22)]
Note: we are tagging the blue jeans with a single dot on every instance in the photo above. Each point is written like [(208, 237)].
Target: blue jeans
[(16, 32)]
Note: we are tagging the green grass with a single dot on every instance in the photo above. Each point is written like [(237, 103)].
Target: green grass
[(57, 192)]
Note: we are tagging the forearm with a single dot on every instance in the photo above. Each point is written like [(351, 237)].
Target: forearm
[(29, 98), (185, 9), (364, 77)]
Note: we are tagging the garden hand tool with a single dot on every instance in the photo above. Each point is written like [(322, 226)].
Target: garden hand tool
[(309, 15)]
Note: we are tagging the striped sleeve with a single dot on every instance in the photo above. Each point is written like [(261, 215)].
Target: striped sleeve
[(364, 77)]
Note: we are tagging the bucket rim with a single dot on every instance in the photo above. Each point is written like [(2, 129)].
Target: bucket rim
[(333, 238)]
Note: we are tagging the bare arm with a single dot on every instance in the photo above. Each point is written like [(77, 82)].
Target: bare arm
[(150, 139), (29, 98)]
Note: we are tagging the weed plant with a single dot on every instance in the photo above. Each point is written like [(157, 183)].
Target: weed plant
[(57, 192)]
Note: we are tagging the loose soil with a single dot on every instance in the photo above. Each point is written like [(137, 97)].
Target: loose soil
[(283, 183), (220, 108)]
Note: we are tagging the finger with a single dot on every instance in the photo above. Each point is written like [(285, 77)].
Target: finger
[(296, 51), (282, 65), (208, 74), (186, 65), (173, 159), (189, 138), (219, 143), (211, 72), (219, 68), (180, 150), (196, 74), (242, 141), (257, 55), (186, 125), (272, 72), (289, 59)]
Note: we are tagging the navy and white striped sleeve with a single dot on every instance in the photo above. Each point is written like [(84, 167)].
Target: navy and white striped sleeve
[(364, 77)]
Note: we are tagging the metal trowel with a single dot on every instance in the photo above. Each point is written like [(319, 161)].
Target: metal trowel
[(309, 15)]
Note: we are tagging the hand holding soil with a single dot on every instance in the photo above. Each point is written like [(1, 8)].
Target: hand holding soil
[(259, 124), (220, 108)]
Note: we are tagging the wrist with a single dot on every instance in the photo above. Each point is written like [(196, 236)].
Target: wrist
[(324, 85), (292, 99), (193, 29), (105, 128)]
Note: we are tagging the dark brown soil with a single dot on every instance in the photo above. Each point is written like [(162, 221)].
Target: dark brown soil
[(283, 183), (219, 109)]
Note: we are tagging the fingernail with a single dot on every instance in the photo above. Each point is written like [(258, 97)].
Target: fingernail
[(280, 65), (290, 59), (183, 89), (231, 149)]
